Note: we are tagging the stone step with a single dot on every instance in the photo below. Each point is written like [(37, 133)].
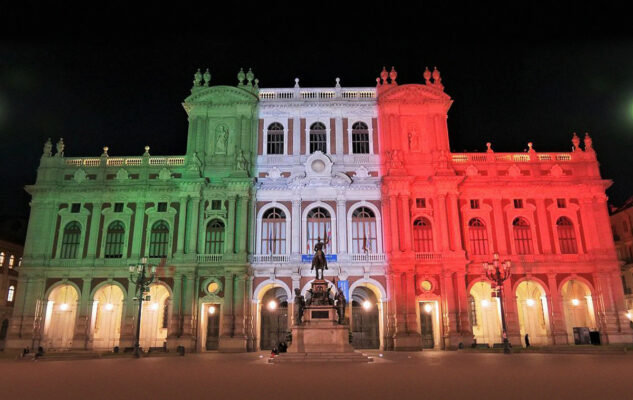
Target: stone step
[(320, 357)]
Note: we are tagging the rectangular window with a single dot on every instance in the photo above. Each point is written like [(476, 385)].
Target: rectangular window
[(420, 203), (518, 203), (561, 203), (474, 204), (318, 142), (118, 207), (275, 143), (216, 204), (360, 142), (75, 208), (162, 207)]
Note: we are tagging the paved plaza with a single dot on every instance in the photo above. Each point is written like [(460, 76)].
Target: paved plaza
[(423, 375)]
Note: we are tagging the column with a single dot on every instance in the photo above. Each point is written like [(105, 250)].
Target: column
[(512, 313), (95, 225), (449, 312), (455, 233), (390, 312), (602, 222), (393, 213), (137, 239), (339, 136), (188, 311), (463, 319), (182, 215), (614, 327), (82, 324), (226, 330), (405, 218), (588, 225), (341, 220), (239, 302), (498, 227), (200, 227), (411, 305), (443, 223), (230, 229), (242, 224), (192, 224), (248, 315), (295, 234), (556, 313), (175, 323), (543, 226)]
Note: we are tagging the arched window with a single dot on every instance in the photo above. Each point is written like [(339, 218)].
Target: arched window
[(422, 236), (360, 138), (274, 232), (11, 260), (478, 237), (472, 305), (318, 138), (275, 139), (566, 236), (522, 236), (159, 240), (1, 258), (114, 240), (10, 293), (364, 231), (70, 240), (214, 238), (319, 228)]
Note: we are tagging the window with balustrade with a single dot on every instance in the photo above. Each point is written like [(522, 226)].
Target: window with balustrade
[(364, 231), (214, 237), (566, 236), (319, 228), (360, 138), (159, 240), (273, 238), (477, 237), (422, 236), (275, 139), (115, 238), (318, 138), (70, 240), (522, 236)]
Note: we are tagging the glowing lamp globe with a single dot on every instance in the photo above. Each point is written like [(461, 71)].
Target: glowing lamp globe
[(530, 302), (575, 302), (109, 307), (63, 307), (272, 305), (366, 305), (211, 310), (428, 308), (485, 303), (154, 306)]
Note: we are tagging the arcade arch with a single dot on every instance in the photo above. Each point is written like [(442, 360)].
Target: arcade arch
[(61, 314), (533, 312), (155, 317), (107, 310), (578, 306), (485, 313)]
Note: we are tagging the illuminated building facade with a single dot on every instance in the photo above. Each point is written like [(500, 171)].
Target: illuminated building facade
[(10, 264), (622, 226), (268, 173)]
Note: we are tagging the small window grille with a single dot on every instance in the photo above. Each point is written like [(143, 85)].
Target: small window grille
[(162, 207), (420, 203), (518, 203), (561, 203), (216, 204), (474, 204), (75, 208), (118, 207)]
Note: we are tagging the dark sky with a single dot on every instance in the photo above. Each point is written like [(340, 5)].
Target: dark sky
[(533, 81)]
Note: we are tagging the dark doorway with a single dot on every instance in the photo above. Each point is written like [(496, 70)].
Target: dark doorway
[(365, 329), (213, 326), (274, 316), (426, 325)]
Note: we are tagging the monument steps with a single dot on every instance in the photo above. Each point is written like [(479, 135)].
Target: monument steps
[(320, 357)]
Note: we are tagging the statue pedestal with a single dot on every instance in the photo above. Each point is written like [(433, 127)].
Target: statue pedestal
[(320, 332)]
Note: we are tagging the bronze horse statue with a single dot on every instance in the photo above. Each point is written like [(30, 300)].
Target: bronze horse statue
[(319, 263)]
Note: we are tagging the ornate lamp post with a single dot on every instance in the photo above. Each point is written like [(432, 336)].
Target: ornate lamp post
[(498, 272), (142, 275)]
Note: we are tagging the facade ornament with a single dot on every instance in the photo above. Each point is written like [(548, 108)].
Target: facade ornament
[(393, 75), (556, 171), (489, 147), (384, 75), (242, 163), (249, 77), (427, 76), (121, 175), (146, 154), (60, 148), (531, 148), (472, 171), (414, 140), (274, 173), (207, 77), (221, 139), (197, 77), (105, 151), (575, 140), (514, 171), (588, 143), (79, 176), (164, 174), (256, 86), (240, 78), (395, 159), (296, 82), (48, 148), (361, 173), (338, 83)]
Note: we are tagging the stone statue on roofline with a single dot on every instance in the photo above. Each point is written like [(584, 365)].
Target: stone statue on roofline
[(48, 148), (60, 148)]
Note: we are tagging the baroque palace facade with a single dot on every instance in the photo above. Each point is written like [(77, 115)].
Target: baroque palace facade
[(232, 224)]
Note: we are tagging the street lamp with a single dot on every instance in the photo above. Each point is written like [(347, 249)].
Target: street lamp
[(498, 272), (142, 275)]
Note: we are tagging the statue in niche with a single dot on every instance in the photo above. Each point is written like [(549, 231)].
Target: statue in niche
[(396, 159), (340, 306), (221, 139), (60, 148), (48, 148), (414, 140), (300, 304), (241, 161)]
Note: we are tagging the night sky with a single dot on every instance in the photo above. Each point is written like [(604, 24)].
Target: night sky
[(509, 87)]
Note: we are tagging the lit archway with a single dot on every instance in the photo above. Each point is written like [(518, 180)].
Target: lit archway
[(533, 312), (485, 314), (274, 318), (106, 317), (155, 317), (578, 306), (61, 313), (366, 313)]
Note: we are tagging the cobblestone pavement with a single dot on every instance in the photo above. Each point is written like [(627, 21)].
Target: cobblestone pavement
[(424, 375)]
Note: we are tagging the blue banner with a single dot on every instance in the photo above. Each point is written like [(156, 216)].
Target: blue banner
[(344, 286), (307, 258)]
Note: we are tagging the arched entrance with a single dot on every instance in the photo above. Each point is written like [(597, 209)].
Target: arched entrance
[(365, 319), (533, 314), (274, 318), (106, 317), (485, 314), (155, 318), (579, 312), (61, 313)]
